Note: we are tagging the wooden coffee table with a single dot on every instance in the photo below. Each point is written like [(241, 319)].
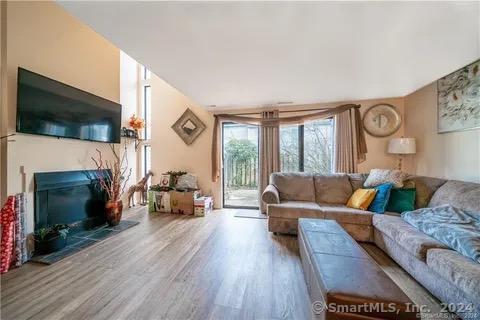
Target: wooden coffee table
[(343, 281)]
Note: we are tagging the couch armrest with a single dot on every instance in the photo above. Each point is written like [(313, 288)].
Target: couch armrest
[(270, 195)]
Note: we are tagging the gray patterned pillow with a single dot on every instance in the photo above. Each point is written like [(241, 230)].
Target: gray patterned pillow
[(380, 176)]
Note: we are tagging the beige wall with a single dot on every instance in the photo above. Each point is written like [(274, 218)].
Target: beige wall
[(454, 155), (44, 38), (169, 152), (377, 156)]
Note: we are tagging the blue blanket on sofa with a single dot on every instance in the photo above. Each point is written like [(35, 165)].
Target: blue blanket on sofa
[(456, 228)]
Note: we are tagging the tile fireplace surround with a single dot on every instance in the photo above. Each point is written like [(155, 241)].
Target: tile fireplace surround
[(74, 198), (84, 239)]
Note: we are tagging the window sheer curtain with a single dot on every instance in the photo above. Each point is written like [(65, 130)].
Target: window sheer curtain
[(349, 135)]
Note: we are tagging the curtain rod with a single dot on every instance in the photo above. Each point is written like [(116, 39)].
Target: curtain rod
[(279, 111)]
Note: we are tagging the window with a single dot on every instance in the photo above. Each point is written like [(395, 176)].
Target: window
[(289, 148), (318, 146), (147, 159), (308, 147), (147, 110), (146, 73)]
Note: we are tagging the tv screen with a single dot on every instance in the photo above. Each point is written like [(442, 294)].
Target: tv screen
[(51, 108)]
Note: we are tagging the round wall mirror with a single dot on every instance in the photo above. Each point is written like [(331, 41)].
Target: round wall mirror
[(382, 120)]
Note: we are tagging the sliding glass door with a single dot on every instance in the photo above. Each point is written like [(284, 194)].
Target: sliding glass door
[(240, 166)]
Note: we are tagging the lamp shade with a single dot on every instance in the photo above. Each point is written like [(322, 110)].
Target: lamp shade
[(402, 146)]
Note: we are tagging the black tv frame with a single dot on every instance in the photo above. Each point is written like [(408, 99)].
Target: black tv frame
[(17, 128)]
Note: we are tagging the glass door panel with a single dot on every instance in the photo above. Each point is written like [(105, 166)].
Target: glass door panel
[(240, 166)]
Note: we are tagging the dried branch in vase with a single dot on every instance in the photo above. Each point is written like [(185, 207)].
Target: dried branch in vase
[(114, 182)]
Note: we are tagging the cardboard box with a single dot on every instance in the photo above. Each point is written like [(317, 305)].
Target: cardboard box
[(203, 206), (182, 202)]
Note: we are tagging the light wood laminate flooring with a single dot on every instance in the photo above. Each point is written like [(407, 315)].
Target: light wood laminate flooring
[(177, 267)]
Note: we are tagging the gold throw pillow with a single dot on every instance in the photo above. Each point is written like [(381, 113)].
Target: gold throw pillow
[(361, 198)]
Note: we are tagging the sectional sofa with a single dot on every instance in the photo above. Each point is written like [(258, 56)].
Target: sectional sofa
[(451, 277)]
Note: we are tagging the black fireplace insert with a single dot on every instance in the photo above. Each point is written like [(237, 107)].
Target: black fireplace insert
[(69, 197)]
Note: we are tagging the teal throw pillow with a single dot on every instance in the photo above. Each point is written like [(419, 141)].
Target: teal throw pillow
[(379, 203), (401, 200)]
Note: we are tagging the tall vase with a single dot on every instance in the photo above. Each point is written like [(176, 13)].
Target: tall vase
[(113, 211)]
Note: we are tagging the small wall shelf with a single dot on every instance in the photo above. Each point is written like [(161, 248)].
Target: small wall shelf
[(136, 140)]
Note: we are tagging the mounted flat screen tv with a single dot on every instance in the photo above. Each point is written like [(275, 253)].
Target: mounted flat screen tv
[(51, 108)]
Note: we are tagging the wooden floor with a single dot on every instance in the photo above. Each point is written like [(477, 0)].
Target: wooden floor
[(177, 267)]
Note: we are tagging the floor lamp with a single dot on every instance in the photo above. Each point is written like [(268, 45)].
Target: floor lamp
[(401, 146)]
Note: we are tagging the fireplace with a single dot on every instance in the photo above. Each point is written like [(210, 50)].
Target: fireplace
[(69, 197)]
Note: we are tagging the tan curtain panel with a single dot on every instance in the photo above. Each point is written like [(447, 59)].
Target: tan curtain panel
[(344, 158), (269, 152), (360, 144), (349, 135)]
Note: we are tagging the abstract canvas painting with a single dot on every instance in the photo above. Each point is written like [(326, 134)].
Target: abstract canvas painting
[(458, 97), (188, 126)]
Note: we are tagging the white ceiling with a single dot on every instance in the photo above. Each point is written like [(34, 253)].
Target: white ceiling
[(244, 54)]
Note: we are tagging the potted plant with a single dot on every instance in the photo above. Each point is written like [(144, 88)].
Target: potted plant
[(51, 238), (113, 182)]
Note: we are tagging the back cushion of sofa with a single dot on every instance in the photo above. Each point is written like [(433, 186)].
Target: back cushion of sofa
[(357, 180), (426, 187), (332, 188), (431, 183), (294, 186), (462, 195)]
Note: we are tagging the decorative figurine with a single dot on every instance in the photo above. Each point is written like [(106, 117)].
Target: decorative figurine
[(141, 187)]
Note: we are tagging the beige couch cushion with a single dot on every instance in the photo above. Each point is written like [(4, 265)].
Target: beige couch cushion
[(405, 235), (462, 195), (344, 214), (431, 183), (294, 186), (461, 271), (307, 209), (357, 180), (270, 195), (425, 187), (295, 210), (332, 188)]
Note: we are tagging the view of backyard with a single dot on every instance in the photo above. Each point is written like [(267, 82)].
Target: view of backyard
[(307, 147), (240, 165), (315, 139)]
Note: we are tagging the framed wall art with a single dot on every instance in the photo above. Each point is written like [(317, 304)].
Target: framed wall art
[(458, 97), (188, 126)]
